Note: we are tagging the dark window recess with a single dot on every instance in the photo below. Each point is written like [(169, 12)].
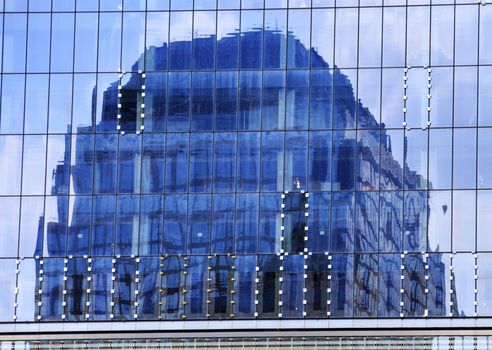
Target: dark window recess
[(131, 103), (295, 221)]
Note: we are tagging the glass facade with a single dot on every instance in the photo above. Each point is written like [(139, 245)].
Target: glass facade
[(253, 159)]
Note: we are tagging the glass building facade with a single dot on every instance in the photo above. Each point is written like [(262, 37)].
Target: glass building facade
[(255, 159)]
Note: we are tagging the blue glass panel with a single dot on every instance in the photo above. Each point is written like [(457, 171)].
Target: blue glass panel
[(413, 285), (155, 101), (317, 286), (391, 176), (181, 4), (203, 101), (390, 221), (342, 282), (439, 225), (389, 285), (224, 162), (418, 34), (292, 286), (100, 297), (79, 228), (441, 104), (226, 100), (365, 285), (88, 5), (76, 286), (343, 162), (16, 5), (228, 4), (342, 222), (484, 285), (295, 166), (62, 41), (151, 225), (200, 162), (392, 90), (134, 5), (321, 99), (442, 35), (297, 99), (153, 157), (111, 5), (465, 92), (248, 162), (107, 102), (246, 222), (11, 164), (204, 27), (299, 39), (415, 221), (416, 154), (366, 226), (196, 282), (251, 4), (249, 100), (222, 223), (109, 42), (34, 162), (52, 290), (36, 105), (394, 27), (55, 225), (345, 103), (273, 103), (31, 226), (368, 160), (60, 106), (466, 38), (464, 220), (180, 39), (440, 158), (322, 37), (14, 42), (103, 210), (124, 289), (157, 5), (251, 39), (83, 108), (370, 40), (245, 285), (157, 36), (9, 226), (484, 102), (484, 158), (105, 163), (133, 41), (485, 32), (464, 158), (148, 289), (178, 102), (319, 222), (275, 40), (27, 297), (346, 37), (176, 162), (463, 287), (129, 163), (227, 39), (221, 287), (272, 161), (82, 164), (127, 225), (172, 282), (11, 116), (268, 286), (86, 41), (199, 206), (275, 3), (369, 98), (205, 4), (270, 222), (174, 224)]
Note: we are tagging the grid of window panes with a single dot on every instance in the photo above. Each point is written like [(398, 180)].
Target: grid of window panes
[(216, 159)]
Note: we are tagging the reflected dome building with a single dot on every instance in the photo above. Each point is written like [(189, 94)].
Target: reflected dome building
[(249, 173)]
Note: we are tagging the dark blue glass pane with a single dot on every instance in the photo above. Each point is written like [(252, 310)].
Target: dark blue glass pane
[(173, 282), (196, 281), (178, 102), (245, 282), (319, 222), (413, 285), (204, 27), (272, 156), (55, 229), (227, 39), (199, 207), (366, 222), (389, 285), (127, 225), (268, 286), (107, 103), (273, 106), (295, 166), (200, 162), (222, 223), (317, 286), (148, 289), (251, 38), (320, 145), (248, 162), (415, 221), (52, 290), (79, 226), (129, 163), (100, 297), (105, 163), (174, 224), (321, 99), (224, 162), (269, 223), (342, 283), (299, 39), (109, 42), (124, 289), (390, 221), (344, 147), (76, 286), (155, 102), (368, 160), (226, 100), (103, 210), (246, 223), (342, 224), (344, 83), (293, 286), (249, 100), (151, 225), (153, 157), (203, 101), (176, 162), (297, 99)]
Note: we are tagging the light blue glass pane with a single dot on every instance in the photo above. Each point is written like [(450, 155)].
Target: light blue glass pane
[(442, 97), (248, 162), (297, 99), (222, 240), (178, 102), (229, 4), (157, 37), (249, 100), (273, 107), (226, 100), (484, 102), (177, 162), (394, 22), (320, 145), (321, 90), (484, 158), (391, 159), (416, 154), (151, 225), (11, 163), (36, 108), (464, 211), (15, 5), (275, 40), (319, 222), (389, 285), (14, 42), (251, 4), (127, 225), (464, 158), (342, 224), (60, 108), (439, 221), (79, 228), (203, 101), (31, 227), (84, 108), (300, 3), (155, 101), (107, 102), (7, 293), (180, 39), (392, 90), (465, 92), (323, 3), (38, 48), (153, 157), (418, 34), (344, 84), (466, 38), (27, 297), (157, 5), (55, 225), (413, 286), (199, 206), (246, 223), (181, 4), (251, 38), (134, 5), (62, 42), (484, 285), (442, 35), (322, 36), (109, 42), (40, 6), (368, 160), (463, 267), (227, 39), (390, 221), (342, 285), (205, 4), (440, 158), (369, 96), (270, 222), (129, 163), (34, 158), (224, 162), (132, 49), (200, 163), (485, 32), (295, 164), (64, 5), (175, 224), (343, 160), (82, 164), (275, 3), (103, 225), (110, 5), (346, 38), (299, 38), (58, 164), (438, 299), (9, 225), (415, 221), (105, 163), (272, 161), (365, 285), (86, 41), (204, 27)]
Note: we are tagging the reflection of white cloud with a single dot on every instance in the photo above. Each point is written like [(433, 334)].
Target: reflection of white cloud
[(228, 23), (181, 24), (204, 24)]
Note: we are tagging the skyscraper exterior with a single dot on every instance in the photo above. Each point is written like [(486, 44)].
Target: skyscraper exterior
[(294, 172)]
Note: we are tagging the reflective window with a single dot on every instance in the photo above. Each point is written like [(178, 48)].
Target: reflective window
[(9, 226), (204, 27), (14, 42)]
